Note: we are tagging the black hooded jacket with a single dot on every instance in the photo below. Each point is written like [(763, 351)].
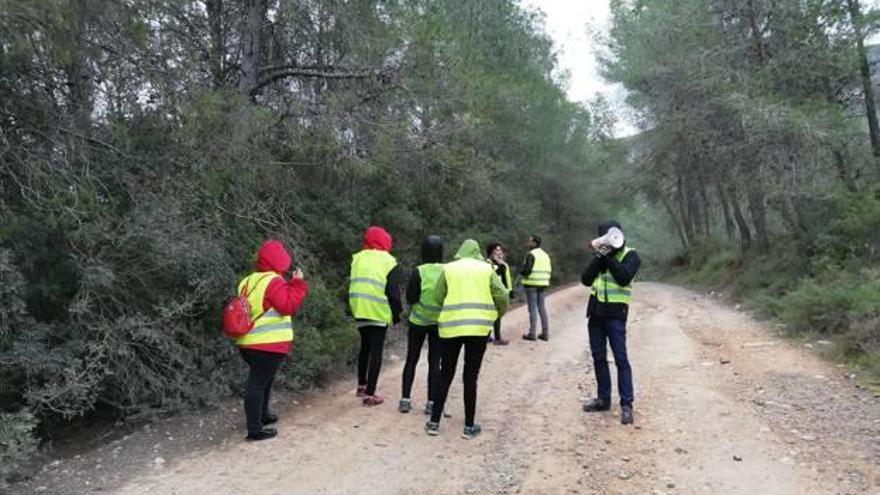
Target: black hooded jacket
[(432, 252), (622, 271)]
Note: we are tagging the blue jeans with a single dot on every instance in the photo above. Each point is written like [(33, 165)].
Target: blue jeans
[(535, 300), (613, 331)]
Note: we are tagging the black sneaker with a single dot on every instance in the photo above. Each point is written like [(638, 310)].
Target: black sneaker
[(270, 419), (261, 434), (432, 428), (596, 405), (529, 337), (544, 337), (429, 406), (470, 432), (405, 405), (626, 415)]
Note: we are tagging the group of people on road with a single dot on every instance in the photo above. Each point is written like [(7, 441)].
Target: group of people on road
[(455, 306)]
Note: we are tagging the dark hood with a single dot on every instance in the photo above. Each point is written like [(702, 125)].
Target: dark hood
[(605, 226), (432, 249)]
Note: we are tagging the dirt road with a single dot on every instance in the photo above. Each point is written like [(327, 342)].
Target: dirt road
[(722, 406)]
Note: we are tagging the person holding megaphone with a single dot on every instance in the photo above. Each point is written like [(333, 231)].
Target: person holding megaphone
[(609, 274)]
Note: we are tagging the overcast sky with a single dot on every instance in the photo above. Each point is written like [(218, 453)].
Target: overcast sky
[(572, 25)]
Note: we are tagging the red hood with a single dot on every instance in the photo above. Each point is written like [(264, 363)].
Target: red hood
[(377, 238), (272, 257)]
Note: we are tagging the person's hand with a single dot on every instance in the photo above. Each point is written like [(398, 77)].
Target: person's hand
[(297, 274)]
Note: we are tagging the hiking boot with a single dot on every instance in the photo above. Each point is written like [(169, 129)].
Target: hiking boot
[(470, 432), (501, 342), (373, 400), (544, 337), (596, 405), (432, 428), (270, 418), (405, 405), (626, 415), (529, 337), (261, 434), (361, 391)]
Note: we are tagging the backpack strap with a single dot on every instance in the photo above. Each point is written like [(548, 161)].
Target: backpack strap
[(246, 292)]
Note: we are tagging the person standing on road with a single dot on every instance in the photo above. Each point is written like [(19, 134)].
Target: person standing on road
[(273, 301), (374, 301), (424, 310), (609, 276), (473, 298), (497, 258), (536, 273)]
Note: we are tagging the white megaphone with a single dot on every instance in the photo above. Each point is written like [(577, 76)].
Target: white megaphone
[(613, 239)]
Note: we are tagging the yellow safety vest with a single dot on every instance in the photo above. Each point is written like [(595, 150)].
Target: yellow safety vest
[(541, 269), (366, 290), (271, 328), (427, 309), (605, 289), (468, 309)]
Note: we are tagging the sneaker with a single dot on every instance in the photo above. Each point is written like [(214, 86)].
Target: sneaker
[(432, 428), (596, 405), (405, 405), (544, 337), (529, 337), (626, 415), (470, 432), (501, 342), (361, 391), (373, 400), (261, 434), (270, 418), (429, 406)]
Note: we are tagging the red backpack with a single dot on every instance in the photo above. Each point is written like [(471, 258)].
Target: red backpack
[(237, 314)]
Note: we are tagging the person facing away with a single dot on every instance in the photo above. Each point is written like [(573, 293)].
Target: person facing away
[(497, 258), (424, 310), (374, 301), (610, 277), (273, 301), (473, 297), (536, 273)]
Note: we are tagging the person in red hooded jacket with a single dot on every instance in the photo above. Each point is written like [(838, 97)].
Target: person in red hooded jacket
[(273, 301), (374, 302)]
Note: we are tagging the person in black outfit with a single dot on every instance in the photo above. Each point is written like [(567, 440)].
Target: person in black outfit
[(495, 253), (432, 255), (607, 323)]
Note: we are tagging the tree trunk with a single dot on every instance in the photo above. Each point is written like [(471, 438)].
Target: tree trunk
[(218, 43), (758, 211), (725, 209), (855, 13), (80, 81), (745, 234), (251, 47)]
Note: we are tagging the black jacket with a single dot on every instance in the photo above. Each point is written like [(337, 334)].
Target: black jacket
[(623, 273)]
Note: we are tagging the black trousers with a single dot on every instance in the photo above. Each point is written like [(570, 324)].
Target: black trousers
[(263, 367), (370, 356), (450, 349), (415, 338), (497, 328)]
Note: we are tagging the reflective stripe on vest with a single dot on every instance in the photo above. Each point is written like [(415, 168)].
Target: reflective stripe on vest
[(366, 289), (605, 289), (427, 309), (468, 309), (541, 269), (272, 327)]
